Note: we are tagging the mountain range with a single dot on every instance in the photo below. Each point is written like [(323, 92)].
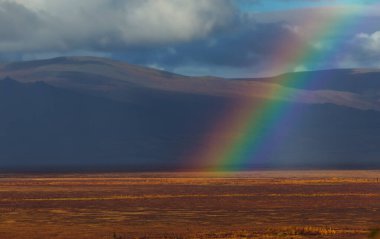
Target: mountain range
[(96, 113)]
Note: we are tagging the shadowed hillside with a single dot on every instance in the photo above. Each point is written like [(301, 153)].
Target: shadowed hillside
[(45, 126), (95, 113)]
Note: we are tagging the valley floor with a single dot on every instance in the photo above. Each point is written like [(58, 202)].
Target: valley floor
[(265, 204)]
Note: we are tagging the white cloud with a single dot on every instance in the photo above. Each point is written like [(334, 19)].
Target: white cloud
[(362, 50), (369, 42)]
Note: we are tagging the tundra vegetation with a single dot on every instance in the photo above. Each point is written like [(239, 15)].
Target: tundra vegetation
[(275, 204)]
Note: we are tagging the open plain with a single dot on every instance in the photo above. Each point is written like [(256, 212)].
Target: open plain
[(263, 204)]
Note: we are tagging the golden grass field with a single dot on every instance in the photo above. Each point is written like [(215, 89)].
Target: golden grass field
[(266, 204)]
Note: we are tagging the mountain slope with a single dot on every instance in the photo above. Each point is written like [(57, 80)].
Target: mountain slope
[(89, 118), (46, 126)]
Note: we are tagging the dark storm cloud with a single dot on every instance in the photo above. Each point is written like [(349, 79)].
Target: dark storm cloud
[(17, 23), (12, 16), (242, 46), (41, 25)]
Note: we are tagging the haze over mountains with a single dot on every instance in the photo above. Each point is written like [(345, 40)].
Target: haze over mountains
[(96, 113)]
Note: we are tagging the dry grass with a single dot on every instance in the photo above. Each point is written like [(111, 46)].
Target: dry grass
[(255, 205), (309, 231), (375, 234)]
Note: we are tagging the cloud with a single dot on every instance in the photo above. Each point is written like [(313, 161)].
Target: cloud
[(247, 44), (17, 23), (64, 25), (253, 45), (189, 37), (362, 50), (369, 43)]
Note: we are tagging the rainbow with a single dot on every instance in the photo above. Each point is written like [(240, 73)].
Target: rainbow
[(241, 135)]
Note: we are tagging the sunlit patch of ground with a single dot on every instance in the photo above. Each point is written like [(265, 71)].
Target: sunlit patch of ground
[(266, 204)]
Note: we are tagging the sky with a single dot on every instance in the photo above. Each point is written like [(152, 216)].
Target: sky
[(228, 38), (283, 5)]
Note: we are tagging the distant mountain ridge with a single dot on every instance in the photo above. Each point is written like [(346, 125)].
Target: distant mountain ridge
[(98, 113), (119, 80)]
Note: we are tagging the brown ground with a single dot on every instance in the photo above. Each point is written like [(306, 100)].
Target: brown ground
[(303, 204)]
